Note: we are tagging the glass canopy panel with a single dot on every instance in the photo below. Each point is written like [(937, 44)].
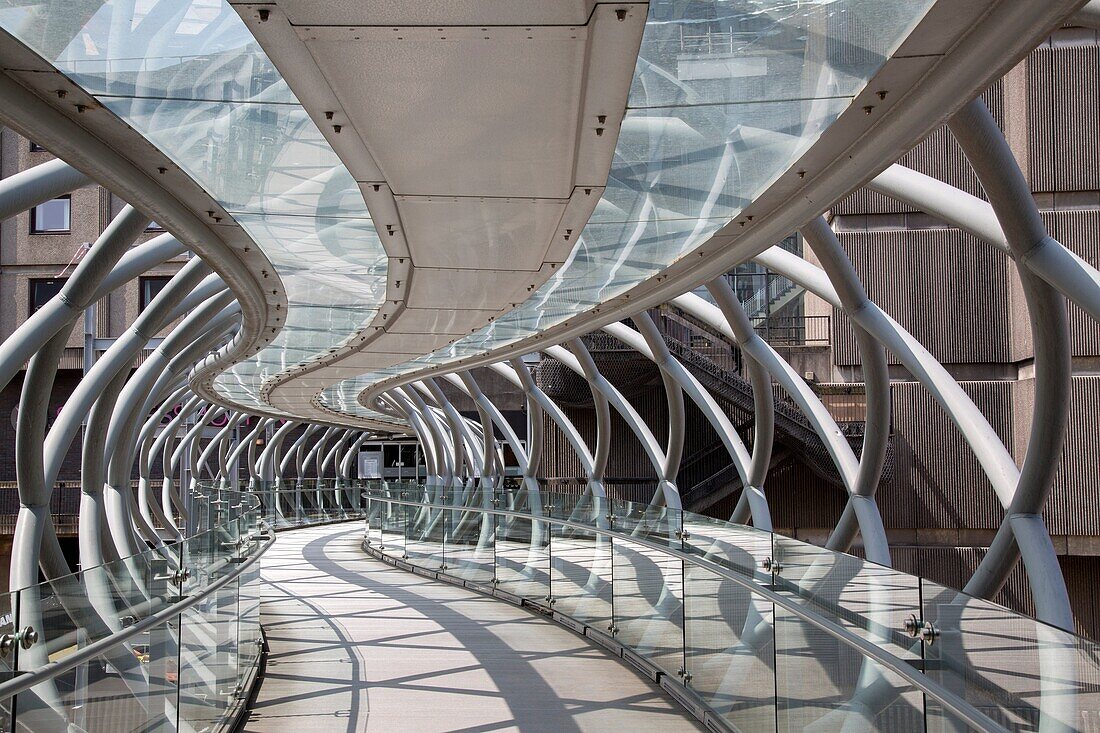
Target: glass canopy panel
[(189, 76), (156, 49), (257, 158), (726, 96)]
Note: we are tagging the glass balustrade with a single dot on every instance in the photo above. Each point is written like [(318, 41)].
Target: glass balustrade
[(166, 639), (766, 632), (300, 503)]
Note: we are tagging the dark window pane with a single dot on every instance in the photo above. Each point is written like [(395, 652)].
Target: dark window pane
[(42, 290), (52, 216), (150, 287)]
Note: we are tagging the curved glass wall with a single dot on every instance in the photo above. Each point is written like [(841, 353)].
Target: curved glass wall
[(726, 96), (189, 76)]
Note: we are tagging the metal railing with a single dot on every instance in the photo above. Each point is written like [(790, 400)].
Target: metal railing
[(750, 630), (796, 331), (167, 639)]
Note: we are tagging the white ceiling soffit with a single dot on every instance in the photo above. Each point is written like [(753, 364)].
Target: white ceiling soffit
[(481, 134)]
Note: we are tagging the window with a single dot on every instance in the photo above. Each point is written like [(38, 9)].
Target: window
[(42, 290), (36, 148), (51, 217), (150, 287), (154, 227)]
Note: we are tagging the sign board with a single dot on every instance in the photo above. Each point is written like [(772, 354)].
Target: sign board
[(370, 464)]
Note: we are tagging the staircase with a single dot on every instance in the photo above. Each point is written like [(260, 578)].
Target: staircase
[(725, 482), (717, 364), (767, 300)]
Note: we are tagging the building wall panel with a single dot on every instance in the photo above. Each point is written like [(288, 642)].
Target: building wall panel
[(936, 467), (1079, 230), (1064, 105), (942, 285), (1074, 505)]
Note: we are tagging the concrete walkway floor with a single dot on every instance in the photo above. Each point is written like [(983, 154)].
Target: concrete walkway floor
[(357, 645)]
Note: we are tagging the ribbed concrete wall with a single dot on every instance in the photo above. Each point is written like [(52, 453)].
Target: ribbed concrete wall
[(944, 286), (1063, 121)]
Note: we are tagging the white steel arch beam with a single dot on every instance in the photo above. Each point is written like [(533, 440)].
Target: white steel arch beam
[(35, 485), (108, 264), (648, 342), (462, 452), (127, 450), (876, 376), (52, 448), (252, 460), (108, 164), (538, 402), (167, 449), (467, 434), (346, 461), (292, 451), (601, 455), (1008, 192), (1049, 259), (1088, 15), (199, 332), (996, 461), (424, 435), (730, 317), (466, 382), (29, 188), (329, 458), (492, 462), (580, 361), (316, 456), (216, 447), (444, 449), (249, 438), (189, 444), (269, 463), (301, 450), (145, 440)]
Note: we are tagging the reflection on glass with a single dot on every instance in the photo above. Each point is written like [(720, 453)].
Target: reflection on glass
[(822, 682), (523, 558), (581, 575), (649, 604), (730, 649), (181, 673)]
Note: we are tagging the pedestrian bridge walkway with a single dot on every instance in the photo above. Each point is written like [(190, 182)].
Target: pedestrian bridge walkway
[(359, 645), (437, 616)]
